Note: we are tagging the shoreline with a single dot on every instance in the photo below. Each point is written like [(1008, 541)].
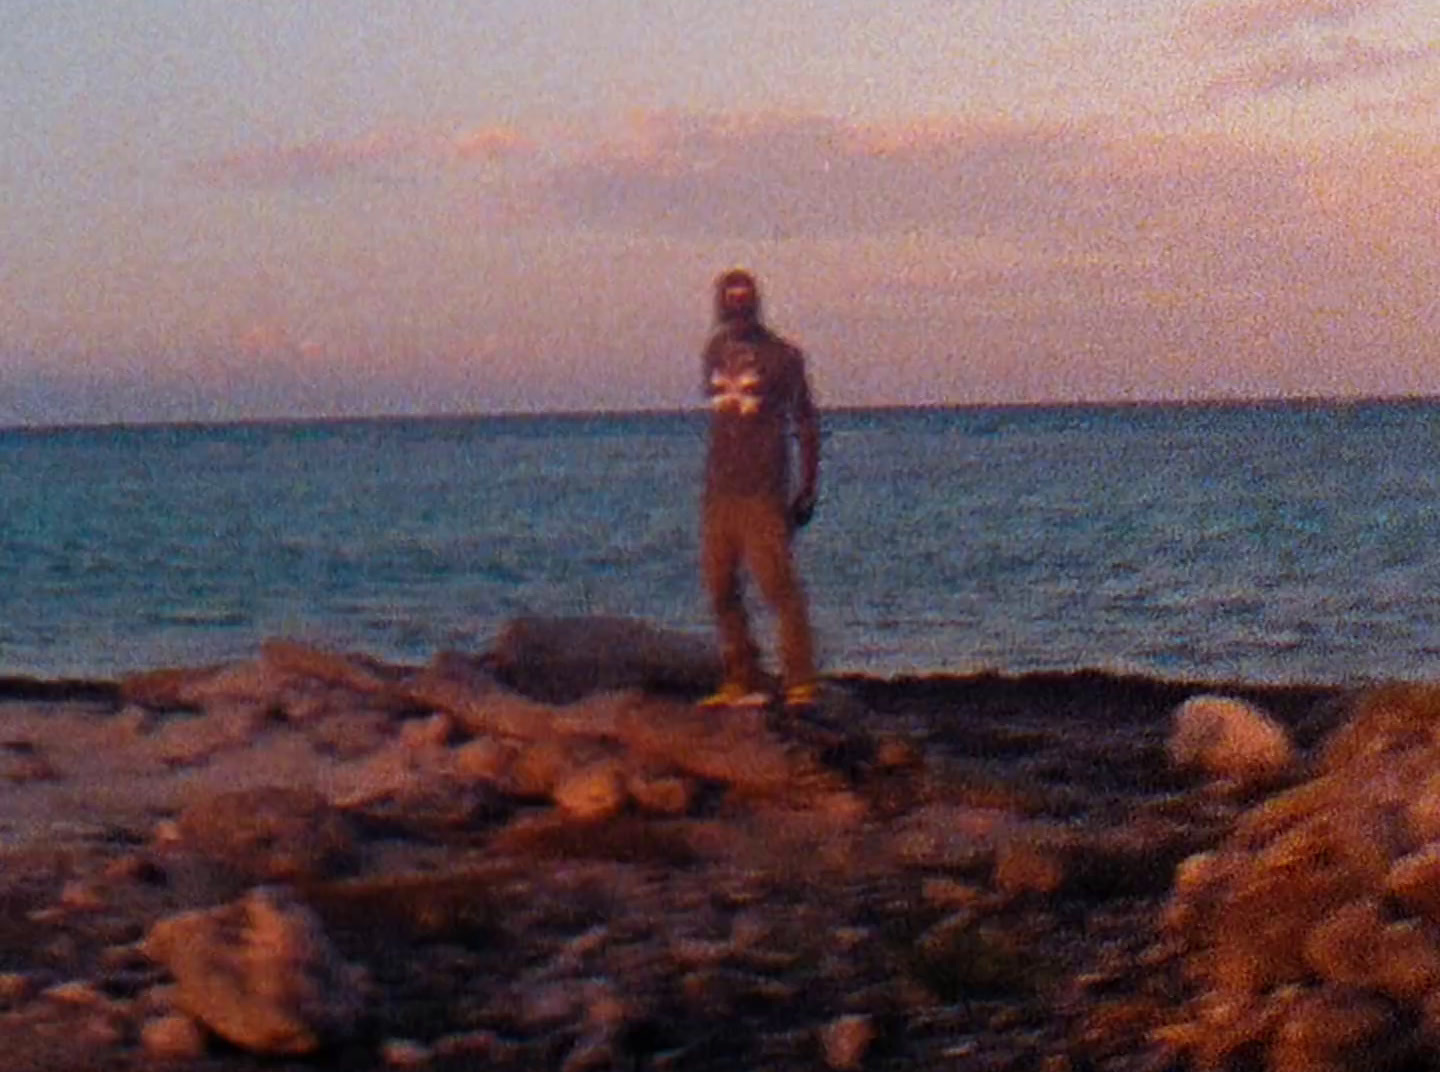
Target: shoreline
[(933, 686)]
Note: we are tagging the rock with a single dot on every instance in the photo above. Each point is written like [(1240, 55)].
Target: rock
[(564, 659), (483, 759), (1332, 1028), (1230, 739), (22, 762), (174, 1037), (270, 833), (1310, 933), (15, 987), (1023, 866), (593, 792), (427, 735), (351, 734), (660, 794), (845, 1040), (1388, 721), (185, 741), (289, 659), (405, 1053), (260, 973), (1414, 881)]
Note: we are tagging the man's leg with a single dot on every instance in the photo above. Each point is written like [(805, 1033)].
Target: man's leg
[(767, 544), (720, 551)]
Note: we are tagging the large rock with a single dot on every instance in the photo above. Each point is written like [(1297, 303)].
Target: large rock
[(273, 833), (260, 973), (563, 659), (1231, 740)]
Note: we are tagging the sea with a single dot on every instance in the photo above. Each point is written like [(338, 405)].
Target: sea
[(1268, 542)]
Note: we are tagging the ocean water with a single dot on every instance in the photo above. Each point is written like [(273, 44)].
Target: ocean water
[(1257, 542)]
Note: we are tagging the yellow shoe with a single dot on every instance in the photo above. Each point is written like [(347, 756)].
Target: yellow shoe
[(733, 694), (802, 697)]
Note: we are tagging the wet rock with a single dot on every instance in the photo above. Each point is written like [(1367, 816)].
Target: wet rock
[(1230, 739), (260, 973)]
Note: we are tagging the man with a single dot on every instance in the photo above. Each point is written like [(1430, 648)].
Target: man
[(755, 383)]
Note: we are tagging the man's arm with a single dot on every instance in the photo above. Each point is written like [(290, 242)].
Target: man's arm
[(806, 422)]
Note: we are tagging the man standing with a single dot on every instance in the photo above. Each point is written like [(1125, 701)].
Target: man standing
[(755, 383)]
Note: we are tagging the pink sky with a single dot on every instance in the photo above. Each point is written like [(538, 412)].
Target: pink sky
[(402, 213)]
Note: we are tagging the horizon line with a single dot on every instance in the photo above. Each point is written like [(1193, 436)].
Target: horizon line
[(567, 414)]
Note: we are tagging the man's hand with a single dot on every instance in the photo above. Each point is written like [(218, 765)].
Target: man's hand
[(802, 509)]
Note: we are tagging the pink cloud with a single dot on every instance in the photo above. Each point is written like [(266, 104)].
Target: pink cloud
[(1303, 69), (379, 152), (1249, 19)]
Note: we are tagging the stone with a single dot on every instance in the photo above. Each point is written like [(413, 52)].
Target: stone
[(1332, 1028), (1023, 866), (174, 1037), (482, 759), (1414, 881), (187, 741), (593, 792), (22, 762), (270, 833), (1230, 739), (560, 659), (260, 973), (845, 1040), (660, 794)]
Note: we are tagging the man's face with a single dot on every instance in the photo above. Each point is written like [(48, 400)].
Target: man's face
[(738, 299)]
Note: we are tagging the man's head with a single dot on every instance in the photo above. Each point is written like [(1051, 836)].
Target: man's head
[(737, 298)]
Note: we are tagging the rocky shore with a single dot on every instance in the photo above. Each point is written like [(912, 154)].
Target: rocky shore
[(544, 855)]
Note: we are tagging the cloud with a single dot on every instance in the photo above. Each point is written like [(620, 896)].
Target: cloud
[(804, 176), (1298, 68), (1247, 20), (814, 178), (380, 153)]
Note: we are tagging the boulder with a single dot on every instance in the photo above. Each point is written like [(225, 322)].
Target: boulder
[(260, 973), (562, 659), (1231, 740), (272, 833), (1310, 936)]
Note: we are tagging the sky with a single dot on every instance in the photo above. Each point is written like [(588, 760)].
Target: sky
[(317, 208)]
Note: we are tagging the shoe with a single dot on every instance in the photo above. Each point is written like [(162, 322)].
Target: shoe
[(802, 697), (732, 694)]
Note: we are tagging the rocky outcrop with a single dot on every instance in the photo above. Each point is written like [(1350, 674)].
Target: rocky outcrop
[(1311, 935), (924, 873)]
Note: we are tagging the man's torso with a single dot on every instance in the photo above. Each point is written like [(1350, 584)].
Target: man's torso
[(754, 380)]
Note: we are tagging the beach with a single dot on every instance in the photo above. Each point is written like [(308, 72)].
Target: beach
[(543, 855)]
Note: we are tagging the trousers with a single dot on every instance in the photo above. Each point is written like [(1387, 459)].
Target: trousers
[(754, 532)]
